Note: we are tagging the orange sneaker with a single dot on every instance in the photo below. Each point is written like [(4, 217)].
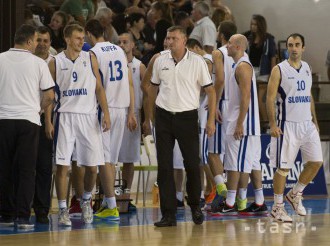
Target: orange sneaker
[(209, 198)]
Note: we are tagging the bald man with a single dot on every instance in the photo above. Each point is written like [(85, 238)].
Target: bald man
[(243, 146)]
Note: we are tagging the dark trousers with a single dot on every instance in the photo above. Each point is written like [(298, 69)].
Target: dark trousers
[(183, 127), (43, 181), (18, 155)]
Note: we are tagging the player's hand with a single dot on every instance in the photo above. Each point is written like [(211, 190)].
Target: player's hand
[(275, 131), (106, 123), (210, 128), (49, 130), (131, 122), (218, 116), (238, 134), (146, 127)]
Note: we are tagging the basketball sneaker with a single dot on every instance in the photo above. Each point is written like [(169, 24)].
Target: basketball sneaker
[(131, 207), (179, 204), (87, 211), (107, 213), (6, 221), (202, 203), (279, 213), (24, 223), (224, 210), (75, 209), (64, 217), (254, 209), (209, 198), (241, 203), (295, 201), (220, 196)]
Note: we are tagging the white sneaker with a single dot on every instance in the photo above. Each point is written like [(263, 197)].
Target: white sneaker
[(279, 213), (295, 201), (87, 212), (64, 217)]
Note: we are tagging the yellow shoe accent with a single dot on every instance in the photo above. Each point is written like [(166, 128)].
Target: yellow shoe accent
[(222, 190), (241, 203), (108, 214)]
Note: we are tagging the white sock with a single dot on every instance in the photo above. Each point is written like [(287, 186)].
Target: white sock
[(278, 198), (62, 204), (259, 196), (87, 195), (111, 202), (298, 187), (218, 179), (231, 196), (179, 195), (242, 193), (202, 194)]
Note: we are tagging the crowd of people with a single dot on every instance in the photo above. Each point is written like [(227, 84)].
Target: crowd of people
[(184, 66)]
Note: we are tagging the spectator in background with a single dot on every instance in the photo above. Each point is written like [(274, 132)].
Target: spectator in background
[(136, 23), (183, 19), (220, 14), (56, 25), (162, 13), (262, 54), (104, 16), (204, 30), (80, 10)]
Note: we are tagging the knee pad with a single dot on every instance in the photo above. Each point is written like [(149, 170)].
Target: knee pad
[(282, 172)]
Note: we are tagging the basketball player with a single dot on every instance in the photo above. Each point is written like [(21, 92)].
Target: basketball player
[(295, 127), (208, 193), (78, 89), (243, 129), (131, 145), (224, 66), (117, 81)]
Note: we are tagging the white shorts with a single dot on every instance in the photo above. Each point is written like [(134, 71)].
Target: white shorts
[(80, 131), (242, 154), (296, 135), (130, 150), (112, 139), (203, 146), (177, 157), (224, 124)]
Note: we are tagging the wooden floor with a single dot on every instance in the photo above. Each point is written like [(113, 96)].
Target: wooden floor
[(138, 229)]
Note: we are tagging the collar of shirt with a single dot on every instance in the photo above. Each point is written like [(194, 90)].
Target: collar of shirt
[(185, 57), (21, 50), (201, 20)]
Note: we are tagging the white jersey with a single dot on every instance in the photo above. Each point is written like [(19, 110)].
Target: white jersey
[(202, 113), (48, 59), (228, 68), (251, 122), (136, 76), (294, 93), (75, 84), (114, 73)]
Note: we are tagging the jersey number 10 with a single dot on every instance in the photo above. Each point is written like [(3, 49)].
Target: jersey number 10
[(301, 85), (119, 72)]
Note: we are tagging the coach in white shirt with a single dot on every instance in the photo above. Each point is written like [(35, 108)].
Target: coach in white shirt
[(22, 76), (179, 76)]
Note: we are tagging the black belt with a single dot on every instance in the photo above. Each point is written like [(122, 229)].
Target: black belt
[(182, 113)]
